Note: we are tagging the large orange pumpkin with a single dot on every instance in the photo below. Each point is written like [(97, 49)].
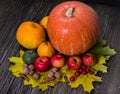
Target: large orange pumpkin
[(73, 27)]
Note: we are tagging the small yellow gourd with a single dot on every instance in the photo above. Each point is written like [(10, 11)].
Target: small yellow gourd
[(46, 49)]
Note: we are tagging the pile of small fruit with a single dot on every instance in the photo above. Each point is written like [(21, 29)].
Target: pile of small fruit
[(44, 56), (41, 56), (79, 64)]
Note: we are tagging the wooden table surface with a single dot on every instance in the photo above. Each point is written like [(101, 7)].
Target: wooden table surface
[(14, 12)]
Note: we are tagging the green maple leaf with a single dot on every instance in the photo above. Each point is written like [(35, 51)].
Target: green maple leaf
[(101, 49), (100, 66), (103, 54)]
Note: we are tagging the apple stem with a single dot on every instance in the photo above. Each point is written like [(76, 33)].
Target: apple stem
[(69, 12), (74, 60), (41, 61)]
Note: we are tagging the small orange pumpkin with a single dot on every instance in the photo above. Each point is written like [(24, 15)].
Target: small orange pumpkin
[(45, 49), (73, 27), (30, 35), (44, 21)]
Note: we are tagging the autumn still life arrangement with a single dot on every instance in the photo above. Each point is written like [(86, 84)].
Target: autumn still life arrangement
[(63, 47)]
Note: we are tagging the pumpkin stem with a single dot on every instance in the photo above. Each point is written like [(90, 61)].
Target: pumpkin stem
[(69, 12), (46, 42), (34, 26)]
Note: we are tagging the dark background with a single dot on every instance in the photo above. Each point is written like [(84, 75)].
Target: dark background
[(107, 2), (14, 12)]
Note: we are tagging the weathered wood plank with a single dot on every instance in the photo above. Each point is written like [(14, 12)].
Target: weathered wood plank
[(16, 11), (11, 18), (112, 35), (11, 26), (104, 18)]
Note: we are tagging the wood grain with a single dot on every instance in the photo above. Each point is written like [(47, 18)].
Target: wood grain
[(14, 12)]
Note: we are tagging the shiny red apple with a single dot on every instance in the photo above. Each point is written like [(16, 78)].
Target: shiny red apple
[(74, 62), (58, 60), (89, 59), (42, 64)]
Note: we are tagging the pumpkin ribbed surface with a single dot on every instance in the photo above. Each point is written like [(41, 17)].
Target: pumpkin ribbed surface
[(73, 27)]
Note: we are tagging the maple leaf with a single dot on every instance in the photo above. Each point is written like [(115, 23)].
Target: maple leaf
[(100, 65), (37, 83), (17, 68), (85, 80), (100, 48), (102, 53), (18, 63)]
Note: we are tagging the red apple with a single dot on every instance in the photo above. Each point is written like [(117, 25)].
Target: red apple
[(58, 60), (74, 62), (89, 59), (42, 64)]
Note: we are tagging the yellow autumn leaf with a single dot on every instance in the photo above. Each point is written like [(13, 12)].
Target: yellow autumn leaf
[(17, 67), (100, 65), (85, 80)]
